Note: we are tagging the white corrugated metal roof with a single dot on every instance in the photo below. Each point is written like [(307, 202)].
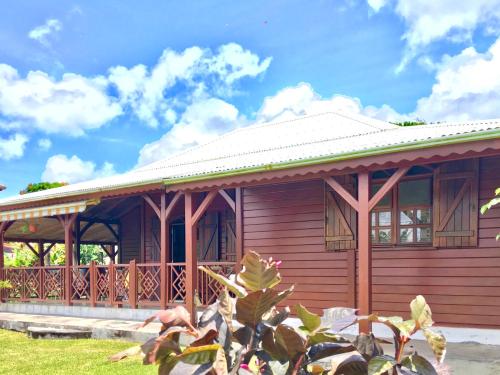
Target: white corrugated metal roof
[(305, 138)]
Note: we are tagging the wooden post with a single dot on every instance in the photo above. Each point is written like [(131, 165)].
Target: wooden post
[(132, 288), (3, 228), (239, 227), (364, 249), (163, 251), (351, 278), (112, 280), (93, 283), (68, 222), (191, 255), (41, 253), (77, 241)]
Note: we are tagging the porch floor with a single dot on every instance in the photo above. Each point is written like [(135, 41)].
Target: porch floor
[(101, 328)]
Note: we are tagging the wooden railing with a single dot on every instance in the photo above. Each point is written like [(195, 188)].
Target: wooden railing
[(130, 285)]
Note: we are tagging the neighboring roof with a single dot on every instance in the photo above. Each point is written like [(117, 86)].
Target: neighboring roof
[(320, 138)]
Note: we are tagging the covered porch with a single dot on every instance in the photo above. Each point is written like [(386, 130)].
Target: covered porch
[(152, 244)]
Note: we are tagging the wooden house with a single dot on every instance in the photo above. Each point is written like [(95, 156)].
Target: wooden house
[(361, 212)]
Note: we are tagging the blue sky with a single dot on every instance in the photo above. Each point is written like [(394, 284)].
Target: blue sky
[(93, 88)]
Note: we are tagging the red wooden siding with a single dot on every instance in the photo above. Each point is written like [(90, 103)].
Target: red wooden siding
[(462, 285), (131, 236), (286, 222)]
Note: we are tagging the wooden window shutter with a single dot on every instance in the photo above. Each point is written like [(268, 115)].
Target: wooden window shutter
[(341, 218), (455, 204), (208, 237)]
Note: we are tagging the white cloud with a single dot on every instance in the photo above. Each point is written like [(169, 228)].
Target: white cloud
[(60, 168), (70, 105), (13, 147), (151, 95), (376, 5), (44, 144), (429, 21), (303, 100), (42, 33), (467, 87), (200, 123)]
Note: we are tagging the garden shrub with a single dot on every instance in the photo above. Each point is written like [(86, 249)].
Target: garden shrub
[(245, 332)]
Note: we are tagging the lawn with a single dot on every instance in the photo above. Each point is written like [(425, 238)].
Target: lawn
[(21, 355)]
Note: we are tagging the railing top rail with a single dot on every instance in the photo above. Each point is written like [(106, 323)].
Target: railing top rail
[(33, 268), (177, 264), (216, 263), (148, 264)]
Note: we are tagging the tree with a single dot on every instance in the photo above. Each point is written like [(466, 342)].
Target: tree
[(39, 186)]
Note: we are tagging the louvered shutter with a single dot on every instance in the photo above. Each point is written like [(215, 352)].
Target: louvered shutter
[(155, 240), (341, 218), (455, 204)]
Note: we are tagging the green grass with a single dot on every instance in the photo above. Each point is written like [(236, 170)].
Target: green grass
[(21, 355)]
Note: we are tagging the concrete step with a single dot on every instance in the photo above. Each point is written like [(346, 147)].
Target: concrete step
[(57, 333)]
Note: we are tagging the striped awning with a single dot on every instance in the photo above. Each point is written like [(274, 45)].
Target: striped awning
[(44, 211)]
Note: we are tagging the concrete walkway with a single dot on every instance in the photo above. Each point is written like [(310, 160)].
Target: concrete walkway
[(101, 328), (463, 358)]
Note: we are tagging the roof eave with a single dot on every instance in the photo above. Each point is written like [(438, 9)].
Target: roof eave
[(376, 151)]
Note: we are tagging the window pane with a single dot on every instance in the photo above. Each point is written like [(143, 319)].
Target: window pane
[(406, 217), (374, 218), (423, 234), (373, 235), (384, 235), (386, 200), (415, 193), (423, 216), (384, 218), (406, 235)]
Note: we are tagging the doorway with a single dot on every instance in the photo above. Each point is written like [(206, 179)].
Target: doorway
[(177, 241)]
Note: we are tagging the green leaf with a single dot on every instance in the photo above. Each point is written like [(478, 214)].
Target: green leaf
[(231, 285), (199, 355), (310, 320), (419, 364), (437, 342), (320, 337), (250, 309), (269, 344), (421, 312), (398, 326), (490, 204), (257, 273), (381, 364), (287, 338)]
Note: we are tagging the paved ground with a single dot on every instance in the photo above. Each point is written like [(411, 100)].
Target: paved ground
[(461, 358), (101, 328)]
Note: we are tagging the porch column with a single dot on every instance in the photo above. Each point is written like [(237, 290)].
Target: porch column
[(364, 250), (41, 253), (239, 228), (68, 222), (191, 255), (164, 246)]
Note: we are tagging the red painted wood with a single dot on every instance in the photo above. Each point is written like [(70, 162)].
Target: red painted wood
[(191, 256)]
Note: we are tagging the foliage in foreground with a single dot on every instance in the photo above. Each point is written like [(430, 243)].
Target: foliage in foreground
[(246, 334), (493, 202)]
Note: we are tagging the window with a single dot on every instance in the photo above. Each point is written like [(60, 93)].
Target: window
[(404, 215)]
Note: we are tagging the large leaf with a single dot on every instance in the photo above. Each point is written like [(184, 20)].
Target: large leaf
[(320, 337), (290, 340), (338, 318), (250, 309), (225, 307), (220, 364), (320, 351), (275, 316), (274, 349), (419, 364), (257, 273), (379, 365), (310, 321), (352, 365), (368, 346), (158, 348), (229, 284), (199, 355), (437, 342), (178, 316), (421, 312), (130, 352)]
